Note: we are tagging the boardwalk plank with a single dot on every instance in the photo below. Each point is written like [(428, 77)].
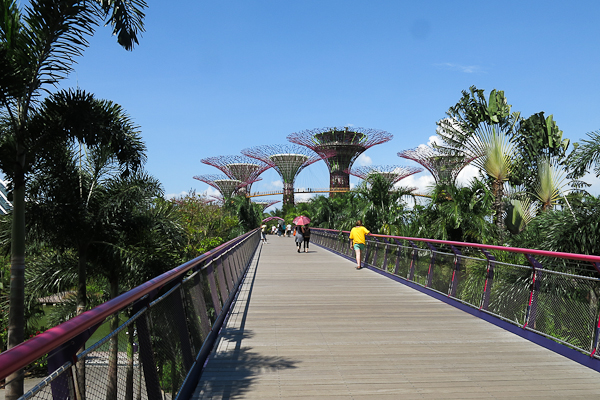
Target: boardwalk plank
[(311, 326)]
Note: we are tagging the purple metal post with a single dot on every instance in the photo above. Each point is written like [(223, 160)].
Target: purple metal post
[(385, 254), (396, 272), (413, 261), (531, 313), (431, 265), (455, 278), (489, 279)]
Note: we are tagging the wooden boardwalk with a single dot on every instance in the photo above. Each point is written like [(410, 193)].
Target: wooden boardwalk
[(311, 326)]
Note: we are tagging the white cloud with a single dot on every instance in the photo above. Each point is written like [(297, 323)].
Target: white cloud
[(211, 191), (593, 180), (278, 184), (468, 69), (466, 175), (434, 139), (423, 183), (181, 194), (364, 160)]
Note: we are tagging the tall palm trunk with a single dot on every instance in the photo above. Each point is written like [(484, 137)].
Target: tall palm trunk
[(16, 315), (113, 352), (498, 189), (81, 306)]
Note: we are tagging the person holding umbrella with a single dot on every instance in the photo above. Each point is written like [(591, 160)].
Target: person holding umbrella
[(302, 231)]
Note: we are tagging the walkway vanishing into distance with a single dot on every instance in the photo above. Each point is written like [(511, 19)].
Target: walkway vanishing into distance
[(311, 326)]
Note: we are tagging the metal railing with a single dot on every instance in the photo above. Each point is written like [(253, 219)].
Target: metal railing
[(160, 334), (553, 294)]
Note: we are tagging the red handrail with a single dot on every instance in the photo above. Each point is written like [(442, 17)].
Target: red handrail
[(27, 352), (573, 256)]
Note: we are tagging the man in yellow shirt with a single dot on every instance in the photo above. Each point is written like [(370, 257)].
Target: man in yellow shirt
[(358, 240)]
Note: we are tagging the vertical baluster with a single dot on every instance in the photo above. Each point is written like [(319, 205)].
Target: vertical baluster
[(398, 252), (385, 255), (210, 272), (489, 280), (455, 276), (413, 261), (431, 265), (531, 312)]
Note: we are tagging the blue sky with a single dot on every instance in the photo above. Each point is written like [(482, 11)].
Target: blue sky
[(211, 78)]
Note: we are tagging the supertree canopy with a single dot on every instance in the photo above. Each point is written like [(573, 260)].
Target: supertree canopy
[(227, 187), (266, 203), (288, 160), (391, 173), (444, 168), (347, 143), (239, 167)]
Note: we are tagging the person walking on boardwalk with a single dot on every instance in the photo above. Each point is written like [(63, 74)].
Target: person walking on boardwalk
[(263, 232), (299, 239), (306, 235), (358, 240)]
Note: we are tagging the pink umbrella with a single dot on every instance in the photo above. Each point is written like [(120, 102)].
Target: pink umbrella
[(301, 220)]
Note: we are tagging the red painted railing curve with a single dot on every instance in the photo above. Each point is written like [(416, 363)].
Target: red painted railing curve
[(27, 352)]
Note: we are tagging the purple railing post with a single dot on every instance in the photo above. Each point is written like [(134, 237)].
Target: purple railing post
[(147, 358), (396, 270), (227, 270), (531, 312), (374, 243), (431, 265), (182, 329), (385, 254), (413, 261), (202, 310), (223, 287), (210, 272), (455, 278), (489, 279), (341, 242)]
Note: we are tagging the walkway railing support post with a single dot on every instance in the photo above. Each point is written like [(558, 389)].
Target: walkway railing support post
[(373, 243), (431, 265), (413, 261), (147, 357), (455, 276), (397, 268), (531, 313), (385, 254), (489, 280), (210, 271)]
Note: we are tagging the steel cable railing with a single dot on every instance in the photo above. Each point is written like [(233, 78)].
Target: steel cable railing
[(556, 295), (160, 334)]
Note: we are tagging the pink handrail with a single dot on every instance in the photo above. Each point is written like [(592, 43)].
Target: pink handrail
[(573, 256), (27, 352)]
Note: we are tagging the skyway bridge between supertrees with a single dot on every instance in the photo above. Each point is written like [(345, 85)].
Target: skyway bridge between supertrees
[(288, 160), (346, 144), (391, 173)]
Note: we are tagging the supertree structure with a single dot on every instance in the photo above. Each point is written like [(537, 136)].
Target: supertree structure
[(347, 143), (239, 167), (288, 160), (391, 173), (266, 203), (227, 187), (444, 168)]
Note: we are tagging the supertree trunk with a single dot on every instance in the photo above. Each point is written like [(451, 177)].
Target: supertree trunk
[(288, 194)]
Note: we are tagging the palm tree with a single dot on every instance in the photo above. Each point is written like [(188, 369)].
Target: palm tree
[(493, 153), (37, 49), (585, 154), (549, 185)]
